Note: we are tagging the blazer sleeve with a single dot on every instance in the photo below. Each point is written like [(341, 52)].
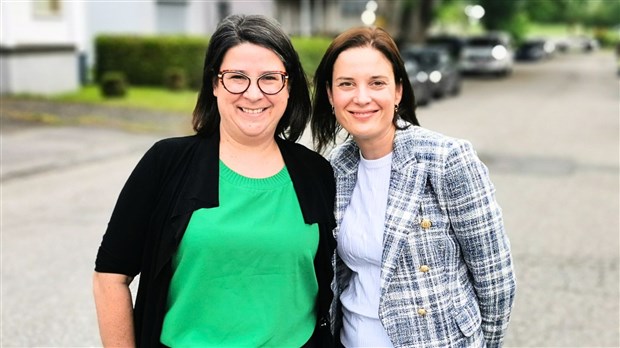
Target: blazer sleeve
[(124, 240), (477, 221)]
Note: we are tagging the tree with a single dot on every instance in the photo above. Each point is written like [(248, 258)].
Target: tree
[(415, 18), (505, 15)]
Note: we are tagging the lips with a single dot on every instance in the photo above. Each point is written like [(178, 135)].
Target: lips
[(362, 114)]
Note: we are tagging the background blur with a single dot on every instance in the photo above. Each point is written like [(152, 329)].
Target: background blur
[(87, 86)]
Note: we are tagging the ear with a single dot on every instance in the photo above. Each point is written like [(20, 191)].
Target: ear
[(215, 89), (329, 93), (399, 93)]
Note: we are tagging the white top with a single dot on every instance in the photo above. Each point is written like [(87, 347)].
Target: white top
[(360, 245)]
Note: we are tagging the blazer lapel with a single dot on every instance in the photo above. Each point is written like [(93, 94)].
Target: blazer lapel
[(345, 169), (407, 182)]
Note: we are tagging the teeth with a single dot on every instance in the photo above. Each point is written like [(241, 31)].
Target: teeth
[(253, 111)]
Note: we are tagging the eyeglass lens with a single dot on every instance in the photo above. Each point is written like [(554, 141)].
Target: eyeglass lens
[(237, 83)]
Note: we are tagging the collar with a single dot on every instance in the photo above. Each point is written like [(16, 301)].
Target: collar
[(200, 188)]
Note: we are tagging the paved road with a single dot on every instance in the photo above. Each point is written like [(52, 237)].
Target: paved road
[(549, 135)]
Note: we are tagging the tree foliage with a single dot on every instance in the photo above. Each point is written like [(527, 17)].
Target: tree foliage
[(505, 15)]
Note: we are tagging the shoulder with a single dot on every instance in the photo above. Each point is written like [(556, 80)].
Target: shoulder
[(302, 154), (429, 146), (167, 154), (345, 157), (177, 143)]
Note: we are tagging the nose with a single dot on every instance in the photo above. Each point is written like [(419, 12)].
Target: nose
[(362, 96), (253, 92)]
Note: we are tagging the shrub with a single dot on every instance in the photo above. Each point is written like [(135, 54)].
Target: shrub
[(113, 84), (310, 52), (175, 79)]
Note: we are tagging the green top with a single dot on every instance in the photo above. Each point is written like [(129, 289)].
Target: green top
[(244, 271)]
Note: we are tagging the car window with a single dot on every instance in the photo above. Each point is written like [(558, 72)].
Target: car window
[(483, 42)]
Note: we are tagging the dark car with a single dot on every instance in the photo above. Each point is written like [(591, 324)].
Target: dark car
[(419, 82), (454, 44), (442, 71), (534, 49)]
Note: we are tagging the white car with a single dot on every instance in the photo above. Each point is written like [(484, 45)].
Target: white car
[(488, 54)]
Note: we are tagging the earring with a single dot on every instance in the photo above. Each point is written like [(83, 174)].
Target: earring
[(333, 113), (395, 108)]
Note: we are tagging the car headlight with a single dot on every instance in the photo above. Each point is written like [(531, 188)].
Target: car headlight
[(409, 67), (435, 76), (421, 76), (499, 52)]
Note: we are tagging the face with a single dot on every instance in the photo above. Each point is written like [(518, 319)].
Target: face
[(252, 115), (363, 93)]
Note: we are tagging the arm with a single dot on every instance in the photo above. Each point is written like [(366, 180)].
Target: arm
[(478, 224), (114, 309)]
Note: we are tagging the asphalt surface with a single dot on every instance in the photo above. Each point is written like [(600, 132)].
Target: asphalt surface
[(549, 134)]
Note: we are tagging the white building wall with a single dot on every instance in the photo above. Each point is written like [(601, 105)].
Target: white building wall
[(39, 48), (117, 17), (42, 72), (22, 25), (202, 18)]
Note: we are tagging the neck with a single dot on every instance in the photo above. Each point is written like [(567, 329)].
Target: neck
[(258, 159), (377, 147)]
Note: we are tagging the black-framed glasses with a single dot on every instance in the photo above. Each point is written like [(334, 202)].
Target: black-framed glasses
[(269, 83)]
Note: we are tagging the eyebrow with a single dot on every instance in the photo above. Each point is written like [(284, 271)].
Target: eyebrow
[(372, 77), (261, 73)]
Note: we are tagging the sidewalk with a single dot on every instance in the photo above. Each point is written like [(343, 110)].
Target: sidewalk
[(39, 136)]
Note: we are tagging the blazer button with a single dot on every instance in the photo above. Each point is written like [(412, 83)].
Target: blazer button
[(426, 223), (422, 312), (424, 268), (323, 322)]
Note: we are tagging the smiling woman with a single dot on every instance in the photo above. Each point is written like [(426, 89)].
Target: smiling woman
[(208, 277), (418, 228)]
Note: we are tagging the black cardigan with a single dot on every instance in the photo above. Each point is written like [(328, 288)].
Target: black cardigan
[(173, 179)]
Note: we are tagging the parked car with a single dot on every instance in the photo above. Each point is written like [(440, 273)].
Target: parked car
[(535, 49), (442, 71), (453, 43), (419, 82), (488, 54)]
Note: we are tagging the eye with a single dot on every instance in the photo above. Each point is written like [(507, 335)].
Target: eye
[(378, 84), (344, 84), (236, 77), (271, 77)]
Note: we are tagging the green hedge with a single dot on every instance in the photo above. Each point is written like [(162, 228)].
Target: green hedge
[(310, 52), (145, 59)]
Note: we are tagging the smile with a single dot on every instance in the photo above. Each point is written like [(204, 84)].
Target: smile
[(253, 111), (362, 113)]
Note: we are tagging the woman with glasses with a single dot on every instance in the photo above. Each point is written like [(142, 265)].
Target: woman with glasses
[(229, 229), (422, 257)]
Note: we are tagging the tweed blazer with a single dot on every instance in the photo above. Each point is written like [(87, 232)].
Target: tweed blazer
[(447, 277)]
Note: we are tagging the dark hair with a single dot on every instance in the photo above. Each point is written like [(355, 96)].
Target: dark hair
[(262, 31), (323, 123)]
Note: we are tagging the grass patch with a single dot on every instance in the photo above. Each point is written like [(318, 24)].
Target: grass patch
[(137, 97)]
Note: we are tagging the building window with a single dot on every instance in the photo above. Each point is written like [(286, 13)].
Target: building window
[(47, 8), (223, 10)]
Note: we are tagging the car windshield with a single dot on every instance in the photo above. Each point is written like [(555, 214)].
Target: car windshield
[(424, 58), (483, 42)]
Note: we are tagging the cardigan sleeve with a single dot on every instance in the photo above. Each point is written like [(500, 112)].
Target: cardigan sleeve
[(478, 224), (124, 240)]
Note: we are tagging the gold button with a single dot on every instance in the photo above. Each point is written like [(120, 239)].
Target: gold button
[(422, 311), (425, 223), (424, 268)]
